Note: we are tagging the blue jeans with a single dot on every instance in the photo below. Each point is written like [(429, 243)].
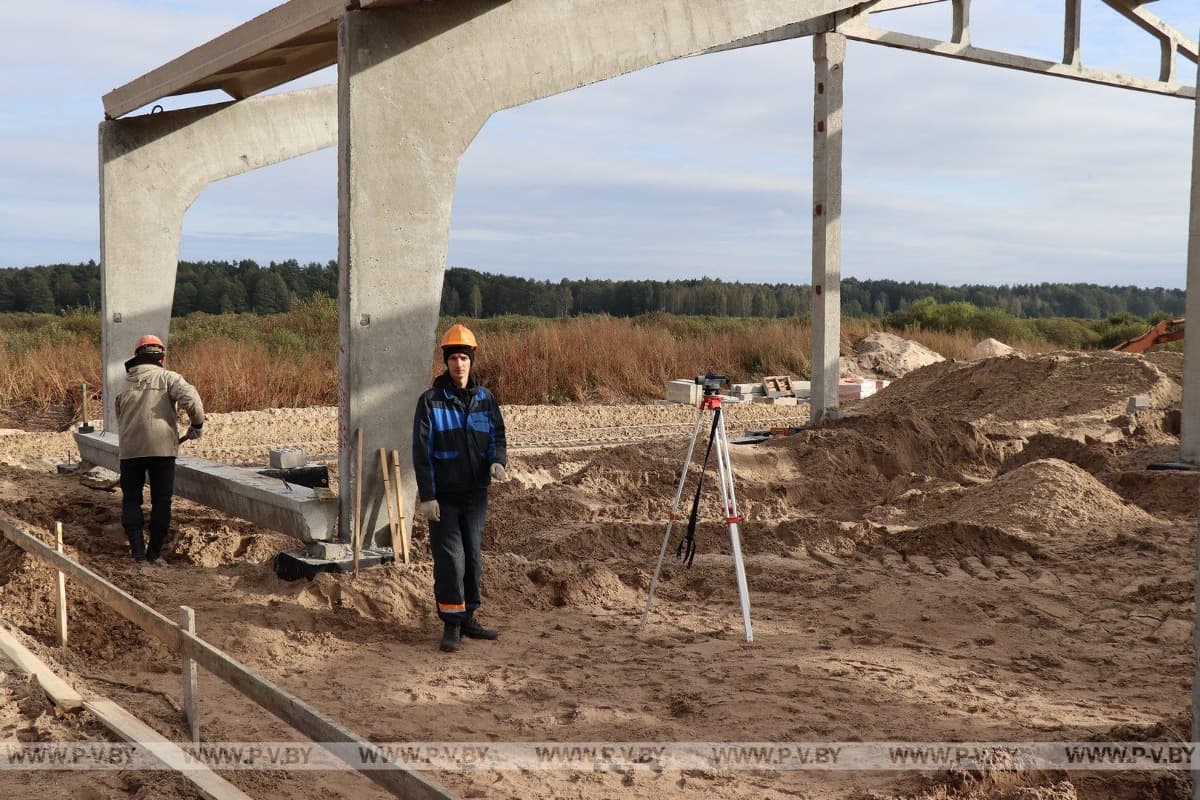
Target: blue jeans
[(456, 542), (161, 470)]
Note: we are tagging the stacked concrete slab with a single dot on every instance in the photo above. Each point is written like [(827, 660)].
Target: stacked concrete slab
[(859, 388)]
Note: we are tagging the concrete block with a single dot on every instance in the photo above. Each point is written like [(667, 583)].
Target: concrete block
[(774, 401), (287, 457), (745, 389), (802, 388), (1138, 402), (855, 389), (330, 551), (688, 392)]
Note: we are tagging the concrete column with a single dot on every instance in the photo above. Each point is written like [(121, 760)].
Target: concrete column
[(400, 142), (152, 168), (829, 55), (1189, 434), (1189, 438)]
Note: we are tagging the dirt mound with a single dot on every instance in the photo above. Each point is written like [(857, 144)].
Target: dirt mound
[(1039, 387), (1160, 492), (1048, 496), (1169, 361), (890, 356), (991, 348), (848, 464), (1089, 455), (227, 545), (959, 539)]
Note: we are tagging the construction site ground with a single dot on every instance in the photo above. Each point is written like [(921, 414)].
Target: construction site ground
[(976, 553)]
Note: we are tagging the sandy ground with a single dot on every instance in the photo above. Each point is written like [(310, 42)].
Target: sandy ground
[(975, 554)]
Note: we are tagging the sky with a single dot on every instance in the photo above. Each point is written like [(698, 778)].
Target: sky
[(953, 173)]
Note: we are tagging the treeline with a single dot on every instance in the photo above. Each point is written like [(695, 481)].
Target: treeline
[(481, 295), (215, 287), (222, 287)]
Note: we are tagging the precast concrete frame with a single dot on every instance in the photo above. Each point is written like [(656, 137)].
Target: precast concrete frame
[(415, 85)]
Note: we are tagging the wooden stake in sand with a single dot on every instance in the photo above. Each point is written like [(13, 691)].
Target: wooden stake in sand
[(398, 486), (191, 680), (60, 595), (356, 536), (388, 499)]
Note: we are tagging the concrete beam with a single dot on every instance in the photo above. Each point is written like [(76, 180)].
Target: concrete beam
[(859, 31), (251, 39), (829, 57), (152, 168), (267, 502)]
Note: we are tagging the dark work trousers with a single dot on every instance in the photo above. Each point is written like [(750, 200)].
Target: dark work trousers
[(161, 470), (456, 542)]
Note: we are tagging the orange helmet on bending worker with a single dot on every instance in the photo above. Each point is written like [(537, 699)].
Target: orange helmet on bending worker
[(459, 336), (148, 343)]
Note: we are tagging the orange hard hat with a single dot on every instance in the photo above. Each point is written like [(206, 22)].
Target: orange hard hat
[(150, 340), (459, 336)]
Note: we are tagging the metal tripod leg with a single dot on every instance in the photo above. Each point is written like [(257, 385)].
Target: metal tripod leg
[(729, 506), (674, 513)]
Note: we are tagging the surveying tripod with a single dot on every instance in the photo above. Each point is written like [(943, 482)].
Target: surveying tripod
[(711, 401)]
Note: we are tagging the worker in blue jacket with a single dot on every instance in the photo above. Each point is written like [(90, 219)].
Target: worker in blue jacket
[(458, 450)]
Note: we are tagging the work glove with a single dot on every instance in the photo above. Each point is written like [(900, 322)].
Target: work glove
[(431, 510), (498, 472), (193, 432)]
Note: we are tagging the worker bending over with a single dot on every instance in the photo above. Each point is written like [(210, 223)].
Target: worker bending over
[(458, 449)]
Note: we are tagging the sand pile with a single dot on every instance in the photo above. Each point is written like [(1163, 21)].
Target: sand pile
[(1052, 385), (991, 348), (1047, 497), (890, 356), (957, 539), (847, 464)]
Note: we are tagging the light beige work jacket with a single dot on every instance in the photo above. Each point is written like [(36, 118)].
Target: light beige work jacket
[(146, 416)]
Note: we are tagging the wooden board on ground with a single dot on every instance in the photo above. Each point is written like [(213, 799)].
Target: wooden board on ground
[(133, 730), (60, 691)]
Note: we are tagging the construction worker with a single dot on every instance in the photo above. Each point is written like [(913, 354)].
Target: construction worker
[(146, 422), (458, 450)]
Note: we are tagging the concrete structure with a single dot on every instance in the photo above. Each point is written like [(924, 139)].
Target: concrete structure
[(268, 502), (416, 81)]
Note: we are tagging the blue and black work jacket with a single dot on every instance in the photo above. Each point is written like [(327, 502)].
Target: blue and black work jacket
[(457, 435)]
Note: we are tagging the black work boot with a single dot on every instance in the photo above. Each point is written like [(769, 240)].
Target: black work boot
[(450, 637), (473, 630)]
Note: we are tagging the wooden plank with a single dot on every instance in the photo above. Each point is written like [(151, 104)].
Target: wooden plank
[(304, 717), (60, 590), (133, 730), (389, 498), (292, 710), (59, 691), (358, 482), (191, 686), (398, 486)]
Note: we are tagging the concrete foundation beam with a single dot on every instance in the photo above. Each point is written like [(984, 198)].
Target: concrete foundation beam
[(242, 493)]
